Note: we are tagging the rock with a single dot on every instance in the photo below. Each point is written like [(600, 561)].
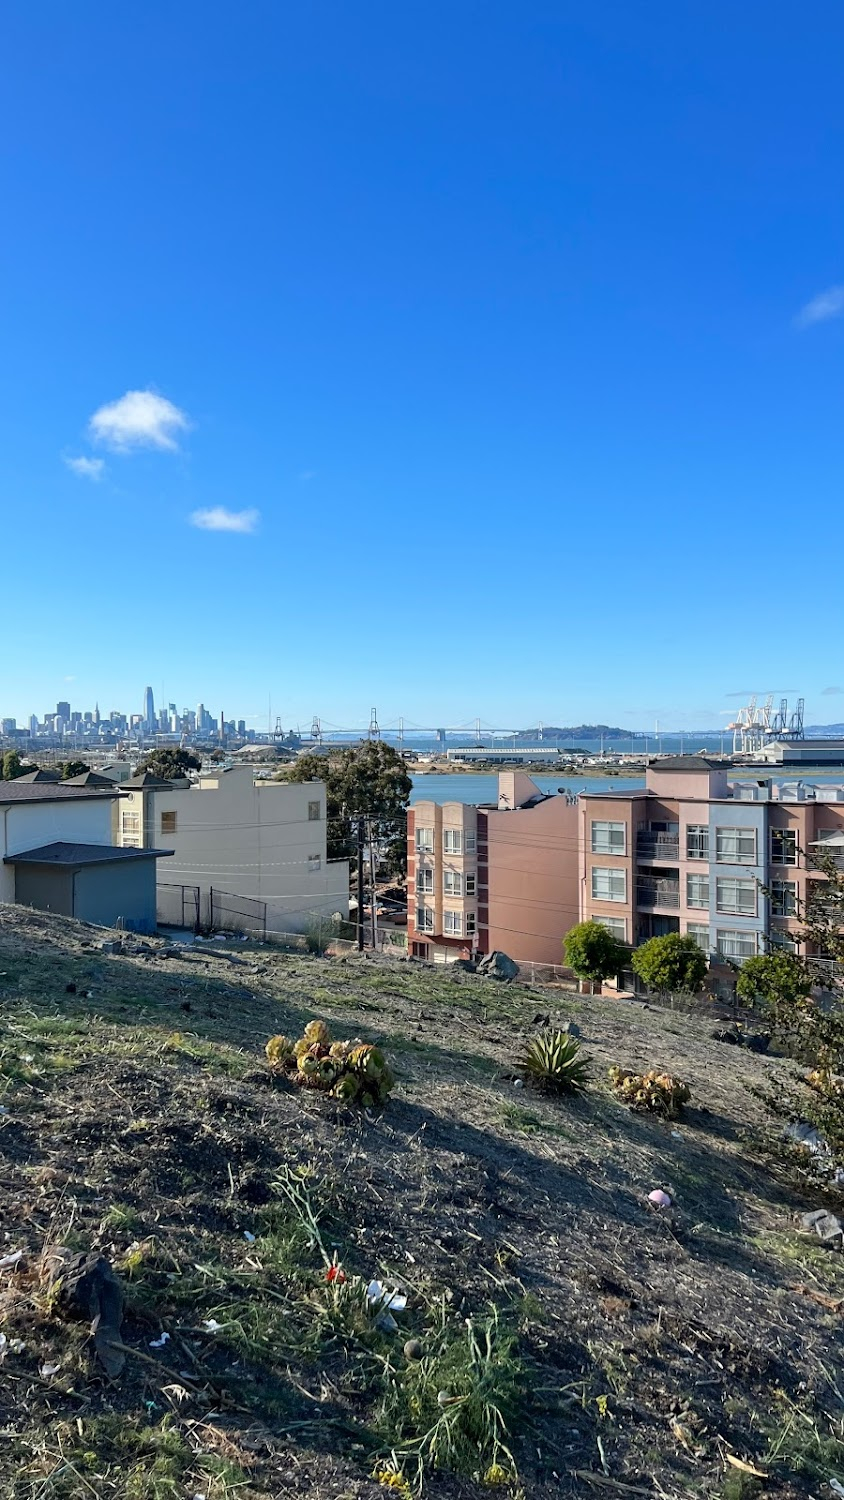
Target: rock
[(111, 946), (70, 989), (413, 1349), (571, 1028), (497, 965), (464, 966), (757, 1041), (729, 1034), (810, 1220)]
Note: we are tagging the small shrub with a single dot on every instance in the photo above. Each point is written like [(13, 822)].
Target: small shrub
[(651, 1093), (353, 1071), (552, 1061)]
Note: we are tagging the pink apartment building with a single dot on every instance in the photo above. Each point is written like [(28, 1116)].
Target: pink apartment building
[(728, 863)]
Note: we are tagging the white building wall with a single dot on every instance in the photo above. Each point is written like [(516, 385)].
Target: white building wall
[(254, 839), (28, 825)]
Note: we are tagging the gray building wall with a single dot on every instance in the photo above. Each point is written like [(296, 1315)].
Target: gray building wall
[(44, 888), (102, 894)]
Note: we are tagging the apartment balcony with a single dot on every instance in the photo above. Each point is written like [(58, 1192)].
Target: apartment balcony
[(657, 845), (653, 893)]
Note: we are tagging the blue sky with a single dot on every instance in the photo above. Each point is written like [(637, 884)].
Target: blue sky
[(510, 337)]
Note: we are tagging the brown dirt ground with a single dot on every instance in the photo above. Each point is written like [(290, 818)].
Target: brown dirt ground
[(143, 1121)]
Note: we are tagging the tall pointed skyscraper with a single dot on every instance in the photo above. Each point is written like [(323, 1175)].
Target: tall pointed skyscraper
[(149, 709)]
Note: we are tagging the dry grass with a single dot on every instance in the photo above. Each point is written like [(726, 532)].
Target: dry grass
[(579, 1341)]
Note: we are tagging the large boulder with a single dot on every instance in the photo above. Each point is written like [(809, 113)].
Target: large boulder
[(497, 965)]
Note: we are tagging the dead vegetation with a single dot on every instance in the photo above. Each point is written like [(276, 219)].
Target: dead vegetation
[(559, 1336)]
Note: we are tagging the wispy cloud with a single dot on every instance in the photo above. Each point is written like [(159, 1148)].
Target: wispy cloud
[(140, 419), (217, 518), (828, 304), (87, 468), (832, 692), (307, 474)]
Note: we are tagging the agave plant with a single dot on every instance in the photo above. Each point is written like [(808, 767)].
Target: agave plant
[(552, 1061)]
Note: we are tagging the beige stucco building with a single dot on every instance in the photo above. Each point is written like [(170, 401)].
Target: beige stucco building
[(260, 840)]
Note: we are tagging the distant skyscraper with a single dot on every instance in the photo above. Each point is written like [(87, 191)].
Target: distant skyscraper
[(149, 708), (63, 710)]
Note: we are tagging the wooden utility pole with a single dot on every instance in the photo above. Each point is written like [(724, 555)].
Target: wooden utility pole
[(360, 884)]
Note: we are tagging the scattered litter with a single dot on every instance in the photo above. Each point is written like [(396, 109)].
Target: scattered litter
[(659, 1199), (88, 1288), (518, 1083), (7, 1261), (827, 1227), (335, 1273), (249, 1237), (806, 1136), (836, 1486), (159, 1343), (212, 1326), (45, 1371), (10, 1346), (28, 1057), (677, 1134), (386, 1304)]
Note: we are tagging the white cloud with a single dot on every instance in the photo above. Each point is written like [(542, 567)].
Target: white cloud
[(140, 419), (832, 692), (828, 304), (87, 468), (217, 518)]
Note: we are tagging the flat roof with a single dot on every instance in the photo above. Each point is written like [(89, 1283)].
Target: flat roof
[(72, 855), (50, 791)]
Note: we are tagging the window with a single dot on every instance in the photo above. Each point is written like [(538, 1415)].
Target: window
[(424, 840), (130, 822), (314, 863), (452, 883), (130, 842), (736, 945), (470, 923), (452, 840), (616, 925), (781, 941), (700, 932), (608, 838), (608, 885), (470, 885), (425, 879), (783, 898), (736, 897), (697, 841), (453, 923), (314, 810), (735, 846), (697, 891), (783, 846), (469, 843), (424, 919), (168, 822)]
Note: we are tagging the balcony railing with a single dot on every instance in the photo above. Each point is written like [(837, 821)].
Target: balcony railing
[(657, 893), (657, 845)]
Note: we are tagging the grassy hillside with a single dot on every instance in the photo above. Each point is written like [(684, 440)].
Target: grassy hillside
[(570, 1339)]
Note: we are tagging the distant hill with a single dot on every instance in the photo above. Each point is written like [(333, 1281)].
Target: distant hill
[(576, 732)]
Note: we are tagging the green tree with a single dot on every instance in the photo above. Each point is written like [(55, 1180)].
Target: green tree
[(369, 780), (11, 766), (592, 951), (169, 763), (773, 978), (673, 964), (70, 768)]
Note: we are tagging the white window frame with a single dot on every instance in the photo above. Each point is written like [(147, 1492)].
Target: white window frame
[(739, 856), (469, 842), (471, 884), (729, 942), (615, 878), (780, 940), (788, 890), (130, 822), (729, 903), (616, 925), (471, 924), (425, 880), (452, 841), (701, 882), (608, 837), (700, 932), (788, 835), (697, 839), (453, 923), (452, 883), (424, 841), (424, 919)]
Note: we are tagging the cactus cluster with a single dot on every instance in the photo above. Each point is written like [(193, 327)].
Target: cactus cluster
[(353, 1071), (651, 1093), (552, 1061)]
